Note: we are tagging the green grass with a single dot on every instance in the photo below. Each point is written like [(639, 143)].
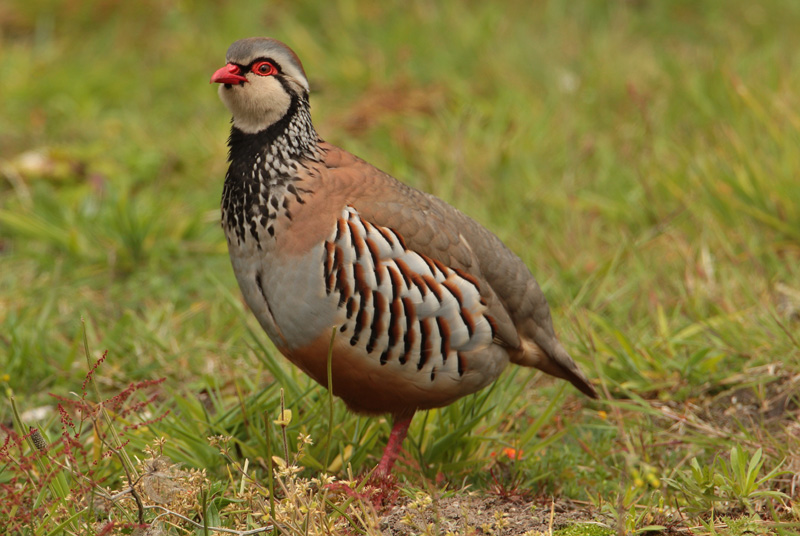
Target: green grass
[(642, 157)]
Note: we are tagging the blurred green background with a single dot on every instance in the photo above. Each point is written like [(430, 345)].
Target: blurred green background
[(641, 156)]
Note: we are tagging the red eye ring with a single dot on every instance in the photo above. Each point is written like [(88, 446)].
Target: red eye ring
[(264, 68)]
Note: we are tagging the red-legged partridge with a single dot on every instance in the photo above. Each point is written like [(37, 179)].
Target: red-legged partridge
[(429, 306)]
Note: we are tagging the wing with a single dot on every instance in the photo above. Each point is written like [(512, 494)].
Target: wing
[(439, 232)]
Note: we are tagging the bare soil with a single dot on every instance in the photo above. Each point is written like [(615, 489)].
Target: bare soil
[(473, 514)]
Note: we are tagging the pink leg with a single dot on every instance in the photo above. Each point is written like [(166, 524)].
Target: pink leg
[(399, 431)]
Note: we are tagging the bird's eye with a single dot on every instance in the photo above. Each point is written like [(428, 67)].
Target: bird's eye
[(264, 68)]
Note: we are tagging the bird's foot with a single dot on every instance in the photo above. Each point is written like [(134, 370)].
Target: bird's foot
[(377, 489)]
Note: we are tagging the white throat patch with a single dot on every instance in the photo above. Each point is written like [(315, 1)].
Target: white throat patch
[(257, 104)]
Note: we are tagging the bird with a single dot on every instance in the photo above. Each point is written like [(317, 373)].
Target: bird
[(420, 304)]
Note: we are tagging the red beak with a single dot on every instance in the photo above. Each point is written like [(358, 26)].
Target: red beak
[(230, 74)]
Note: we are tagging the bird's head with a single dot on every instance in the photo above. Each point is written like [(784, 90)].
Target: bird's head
[(260, 82)]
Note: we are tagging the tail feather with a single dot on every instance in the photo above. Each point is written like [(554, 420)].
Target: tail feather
[(556, 362)]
